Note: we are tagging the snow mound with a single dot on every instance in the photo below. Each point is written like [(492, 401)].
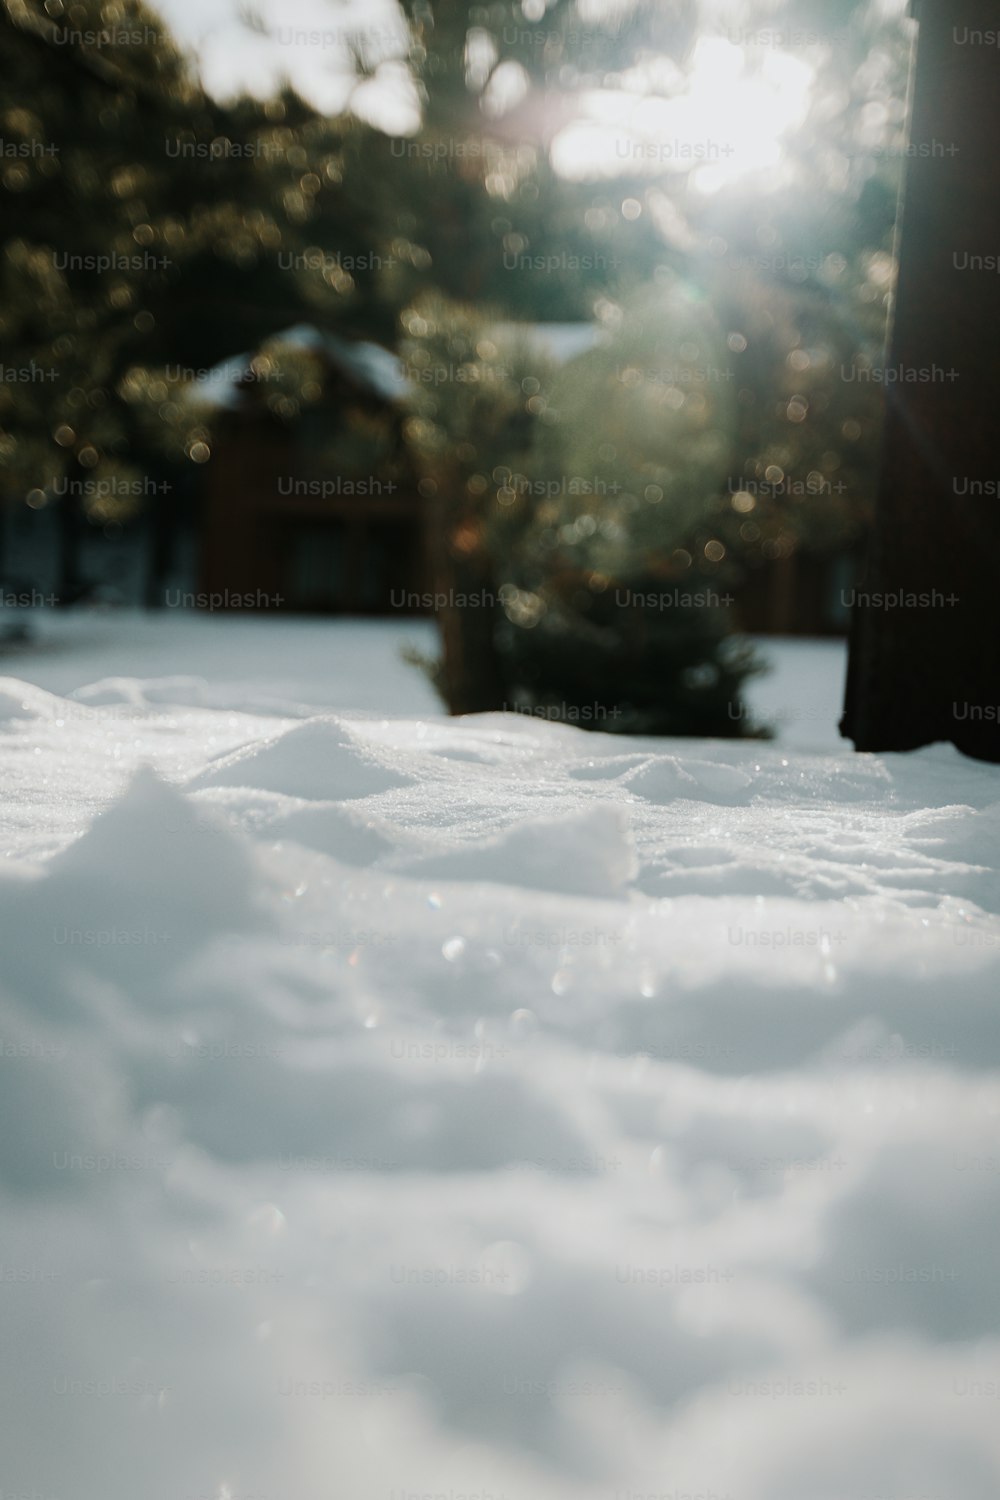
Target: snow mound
[(337, 831), (154, 862), (570, 1118), (319, 760), (670, 777), (21, 700), (147, 692), (591, 853)]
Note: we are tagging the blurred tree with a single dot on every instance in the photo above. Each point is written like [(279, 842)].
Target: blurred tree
[(733, 414), (546, 603), (738, 430), (148, 233), (477, 392)]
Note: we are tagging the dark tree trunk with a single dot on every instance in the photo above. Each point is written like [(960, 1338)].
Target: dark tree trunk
[(70, 523), (161, 548), (930, 670), (470, 676)]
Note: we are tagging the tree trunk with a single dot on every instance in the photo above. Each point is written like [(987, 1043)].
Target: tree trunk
[(925, 650), (160, 544), (467, 617), (69, 534)]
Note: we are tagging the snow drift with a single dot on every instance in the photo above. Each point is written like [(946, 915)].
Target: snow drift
[(484, 1108)]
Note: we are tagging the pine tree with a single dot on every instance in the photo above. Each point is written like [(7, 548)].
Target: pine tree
[(148, 233)]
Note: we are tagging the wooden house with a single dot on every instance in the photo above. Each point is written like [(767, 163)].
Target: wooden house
[(298, 514)]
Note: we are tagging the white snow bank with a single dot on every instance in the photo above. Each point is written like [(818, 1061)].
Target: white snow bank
[(320, 759), (401, 1107)]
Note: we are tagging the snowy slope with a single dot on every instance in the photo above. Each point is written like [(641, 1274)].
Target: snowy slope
[(401, 1106)]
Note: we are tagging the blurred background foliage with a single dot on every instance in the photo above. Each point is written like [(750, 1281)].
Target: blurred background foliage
[(713, 425)]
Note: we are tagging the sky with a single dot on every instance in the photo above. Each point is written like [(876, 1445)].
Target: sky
[(306, 45), (734, 105)]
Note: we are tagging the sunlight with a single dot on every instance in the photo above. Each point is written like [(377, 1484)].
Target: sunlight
[(730, 122)]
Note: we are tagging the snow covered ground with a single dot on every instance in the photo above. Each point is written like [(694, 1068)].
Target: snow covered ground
[(395, 1106)]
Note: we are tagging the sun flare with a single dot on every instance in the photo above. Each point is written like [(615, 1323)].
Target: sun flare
[(731, 120)]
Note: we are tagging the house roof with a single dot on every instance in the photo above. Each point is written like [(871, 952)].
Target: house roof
[(220, 388), (560, 341), (369, 364), (373, 369)]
